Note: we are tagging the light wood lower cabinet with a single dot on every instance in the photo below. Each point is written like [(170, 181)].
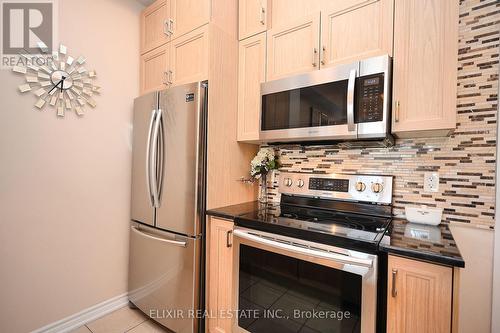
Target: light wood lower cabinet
[(419, 297), (153, 67), (425, 67), (353, 30), (294, 48), (219, 274), (189, 57), (251, 72)]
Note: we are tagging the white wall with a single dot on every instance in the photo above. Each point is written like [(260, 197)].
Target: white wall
[(65, 183)]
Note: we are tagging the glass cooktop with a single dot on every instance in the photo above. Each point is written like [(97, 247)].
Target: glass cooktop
[(303, 222)]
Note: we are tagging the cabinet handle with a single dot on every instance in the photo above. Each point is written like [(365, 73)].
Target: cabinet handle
[(262, 15), (397, 112), (165, 78), (323, 55), (394, 291), (315, 52), (229, 238), (170, 76), (166, 29), (171, 26)]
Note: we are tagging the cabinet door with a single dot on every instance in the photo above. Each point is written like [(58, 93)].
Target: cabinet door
[(351, 31), (153, 75), (294, 48), (189, 57), (187, 15), (219, 274), (251, 72), (419, 297), (154, 29), (252, 18), (425, 67)]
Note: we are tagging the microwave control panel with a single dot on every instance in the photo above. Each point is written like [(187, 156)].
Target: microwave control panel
[(370, 98)]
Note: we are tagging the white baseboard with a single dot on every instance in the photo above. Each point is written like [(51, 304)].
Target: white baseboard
[(85, 316)]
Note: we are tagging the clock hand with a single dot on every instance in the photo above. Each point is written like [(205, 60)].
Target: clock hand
[(55, 86), (62, 83)]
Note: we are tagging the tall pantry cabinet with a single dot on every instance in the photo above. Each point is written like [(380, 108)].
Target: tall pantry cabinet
[(193, 40)]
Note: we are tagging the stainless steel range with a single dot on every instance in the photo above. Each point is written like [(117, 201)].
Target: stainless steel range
[(311, 261)]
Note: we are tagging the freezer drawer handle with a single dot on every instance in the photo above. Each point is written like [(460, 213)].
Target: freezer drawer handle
[(344, 259), (169, 241)]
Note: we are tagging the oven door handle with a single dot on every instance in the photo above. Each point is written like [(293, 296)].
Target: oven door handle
[(340, 258)]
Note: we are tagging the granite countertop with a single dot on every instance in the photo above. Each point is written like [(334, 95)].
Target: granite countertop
[(430, 243), (231, 212)]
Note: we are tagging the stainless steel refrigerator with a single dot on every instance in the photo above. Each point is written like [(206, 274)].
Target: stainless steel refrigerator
[(168, 205)]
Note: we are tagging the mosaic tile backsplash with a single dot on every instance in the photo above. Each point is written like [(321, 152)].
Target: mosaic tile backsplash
[(465, 160)]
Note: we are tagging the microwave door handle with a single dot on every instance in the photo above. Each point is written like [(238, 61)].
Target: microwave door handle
[(153, 167), (148, 157), (350, 100), (340, 258)]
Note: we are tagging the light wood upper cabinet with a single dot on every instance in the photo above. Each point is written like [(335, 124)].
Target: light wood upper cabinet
[(425, 67), (153, 67), (188, 57), (353, 30), (419, 297), (154, 27), (294, 48), (187, 15), (219, 273), (253, 17), (251, 72)]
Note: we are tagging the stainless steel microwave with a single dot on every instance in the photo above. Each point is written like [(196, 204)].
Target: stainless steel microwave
[(342, 103)]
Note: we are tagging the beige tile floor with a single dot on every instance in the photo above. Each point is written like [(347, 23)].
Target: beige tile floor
[(121, 321)]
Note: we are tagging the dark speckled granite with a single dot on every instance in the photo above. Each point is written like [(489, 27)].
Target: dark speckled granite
[(230, 212), (429, 243)]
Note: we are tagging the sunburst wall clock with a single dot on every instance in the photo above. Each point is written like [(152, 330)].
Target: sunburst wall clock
[(63, 83)]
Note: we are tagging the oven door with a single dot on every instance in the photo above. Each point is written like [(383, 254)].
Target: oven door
[(310, 107), (285, 285)]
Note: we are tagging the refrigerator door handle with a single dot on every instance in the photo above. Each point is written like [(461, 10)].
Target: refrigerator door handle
[(148, 157), (161, 158), (158, 238), (153, 166)]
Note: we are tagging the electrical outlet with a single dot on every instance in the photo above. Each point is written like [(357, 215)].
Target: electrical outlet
[(431, 182)]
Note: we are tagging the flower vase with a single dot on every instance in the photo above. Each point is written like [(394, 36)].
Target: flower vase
[(263, 189)]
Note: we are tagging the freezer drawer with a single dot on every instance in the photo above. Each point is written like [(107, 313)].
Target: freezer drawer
[(164, 276)]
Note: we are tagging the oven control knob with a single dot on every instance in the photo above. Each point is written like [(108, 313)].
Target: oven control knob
[(360, 186), (288, 182), (377, 187), (300, 183)]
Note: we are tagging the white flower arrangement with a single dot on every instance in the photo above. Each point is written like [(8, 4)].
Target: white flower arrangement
[(265, 161)]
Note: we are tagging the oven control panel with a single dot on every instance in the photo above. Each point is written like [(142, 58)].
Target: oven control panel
[(366, 188)]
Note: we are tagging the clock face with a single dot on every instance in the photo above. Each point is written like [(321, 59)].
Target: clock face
[(64, 83)]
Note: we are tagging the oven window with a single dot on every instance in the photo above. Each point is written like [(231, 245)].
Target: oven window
[(280, 294), (320, 105)]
